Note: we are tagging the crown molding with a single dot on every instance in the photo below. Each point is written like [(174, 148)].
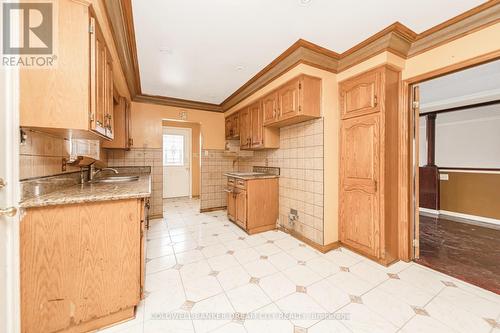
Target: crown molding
[(396, 38), (177, 102), (119, 13), (301, 51)]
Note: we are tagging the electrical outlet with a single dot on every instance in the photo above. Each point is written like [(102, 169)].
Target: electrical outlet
[(443, 176), (293, 211)]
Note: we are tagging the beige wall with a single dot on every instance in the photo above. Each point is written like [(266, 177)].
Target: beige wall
[(195, 152), (147, 125)]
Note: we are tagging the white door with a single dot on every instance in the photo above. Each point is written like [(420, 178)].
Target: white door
[(9, 198), (176, 162)]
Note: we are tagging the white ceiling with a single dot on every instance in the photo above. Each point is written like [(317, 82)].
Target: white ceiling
[(470, 86), (204, 50)]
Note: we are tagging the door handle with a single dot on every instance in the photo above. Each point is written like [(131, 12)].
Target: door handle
[(11, 211), (3, 183)]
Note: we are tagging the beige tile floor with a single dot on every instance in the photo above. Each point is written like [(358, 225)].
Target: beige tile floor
[(206, 275)]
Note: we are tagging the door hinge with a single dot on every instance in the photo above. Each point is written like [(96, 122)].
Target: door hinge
[(300, 85), (300, 108), (91, 116), (142, 233), (415, 104), (415, 243), (91, 28)]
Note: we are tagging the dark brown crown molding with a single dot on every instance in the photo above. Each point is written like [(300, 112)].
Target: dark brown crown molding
[(396, 38), (177, 102)]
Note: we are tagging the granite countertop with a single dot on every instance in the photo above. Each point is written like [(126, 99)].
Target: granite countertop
[(90, 192), (250, 175)]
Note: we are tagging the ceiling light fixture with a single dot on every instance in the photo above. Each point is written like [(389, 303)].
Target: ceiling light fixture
[(305, 2)]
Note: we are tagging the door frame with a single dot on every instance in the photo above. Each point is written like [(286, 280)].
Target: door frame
[(190, 150), (10, 285), (408, 157)]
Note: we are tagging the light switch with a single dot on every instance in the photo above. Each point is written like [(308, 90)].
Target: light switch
[(443, 176)]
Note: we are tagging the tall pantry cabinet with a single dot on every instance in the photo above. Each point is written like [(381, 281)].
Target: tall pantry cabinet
[(368, 163)]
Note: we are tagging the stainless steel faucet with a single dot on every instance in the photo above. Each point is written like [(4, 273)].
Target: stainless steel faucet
[(93, 172)]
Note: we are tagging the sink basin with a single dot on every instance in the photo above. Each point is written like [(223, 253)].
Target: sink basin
[(116, 179)]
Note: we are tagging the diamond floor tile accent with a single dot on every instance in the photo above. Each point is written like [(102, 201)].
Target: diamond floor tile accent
[(356, 299), (188, 305), (213, 273), (420, 311), (344, 269), (230, 252), (298, 329), (493, 323), (393, 276), (301, 289), (263, 257), (178, 266), (254, 280)]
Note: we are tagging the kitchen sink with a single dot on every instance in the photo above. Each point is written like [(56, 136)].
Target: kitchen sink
[(116, 179)]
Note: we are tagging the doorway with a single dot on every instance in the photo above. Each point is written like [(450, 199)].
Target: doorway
[(456, 180), (176, 162)]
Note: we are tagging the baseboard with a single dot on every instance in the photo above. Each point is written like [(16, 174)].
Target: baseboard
[(319, 247), (468, 218), (205, 210), (428, 211), (459, 217)]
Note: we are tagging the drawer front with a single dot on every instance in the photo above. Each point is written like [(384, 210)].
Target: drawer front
[(240, 183)]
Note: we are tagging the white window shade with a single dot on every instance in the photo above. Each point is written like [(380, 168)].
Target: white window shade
[(173, 150)]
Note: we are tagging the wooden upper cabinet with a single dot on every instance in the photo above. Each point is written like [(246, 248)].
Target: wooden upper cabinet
[(245, 128), (269, 108), (101, 83), (121, 125), (228, 127), (288, 97), (296, 101), (232, 127), (75, 96), (360, 95), (257, 126)]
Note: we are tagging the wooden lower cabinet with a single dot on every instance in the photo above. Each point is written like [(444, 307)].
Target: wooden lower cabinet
[(368, 211), (80, 265), (253, 204)]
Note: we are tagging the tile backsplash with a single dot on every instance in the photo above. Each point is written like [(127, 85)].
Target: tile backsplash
[(151, 157), (41, 155), (300, 159), (214, 163)]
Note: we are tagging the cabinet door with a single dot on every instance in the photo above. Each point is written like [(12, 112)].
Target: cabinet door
[(229, 128), (245, 139), (231, 205), (288, 96), (359, 95), (269, 106), (256, 125), (97, 79), (241, 208), (108, 97), (359, 170), (235, 126)]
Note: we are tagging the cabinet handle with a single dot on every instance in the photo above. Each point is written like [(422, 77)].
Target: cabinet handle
[(375, 100)]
